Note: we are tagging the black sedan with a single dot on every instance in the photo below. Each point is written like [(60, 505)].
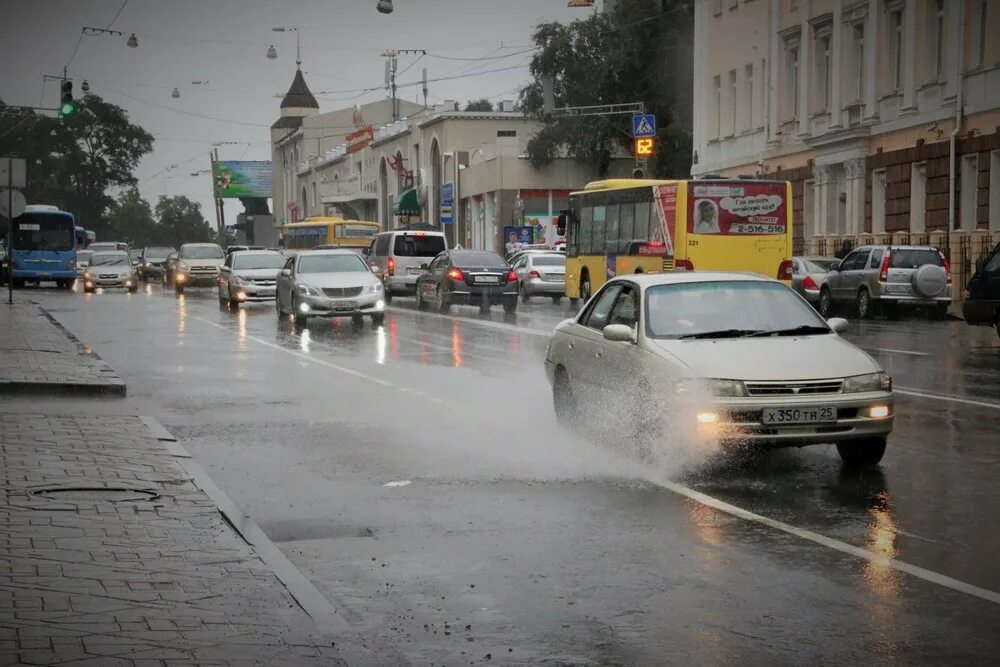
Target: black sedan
[(471, 277)]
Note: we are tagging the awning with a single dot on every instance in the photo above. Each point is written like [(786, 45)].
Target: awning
[(407, 203)]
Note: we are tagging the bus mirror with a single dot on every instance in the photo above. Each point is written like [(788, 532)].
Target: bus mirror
[(561, 223)]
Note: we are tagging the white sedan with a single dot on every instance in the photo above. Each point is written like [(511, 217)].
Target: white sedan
[(738, 358)]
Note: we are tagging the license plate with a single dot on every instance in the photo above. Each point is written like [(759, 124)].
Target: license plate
[(893, 288), (414, 271), (489, 280), (345, 305), (783, 416)]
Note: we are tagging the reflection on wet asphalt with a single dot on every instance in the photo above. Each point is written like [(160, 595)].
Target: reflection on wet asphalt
[(542, 542)]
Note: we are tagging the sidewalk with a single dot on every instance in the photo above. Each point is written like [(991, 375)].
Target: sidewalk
[(37, 355), (111, 555)]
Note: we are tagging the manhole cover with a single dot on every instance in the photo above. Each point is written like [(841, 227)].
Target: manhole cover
[(95, 494)]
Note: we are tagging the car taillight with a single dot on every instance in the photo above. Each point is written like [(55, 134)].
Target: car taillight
[(512, 276), (947, 267), (456, 274), (684, 265), (392, 266), (533, 274), (785, 270), (809, 283), (883, 273)]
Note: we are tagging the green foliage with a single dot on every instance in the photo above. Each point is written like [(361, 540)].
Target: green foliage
[(181, 221), (132, 220), (479, 105), (73, 162), (639, 53)]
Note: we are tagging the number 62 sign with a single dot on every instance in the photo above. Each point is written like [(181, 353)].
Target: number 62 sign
[(644, 147)]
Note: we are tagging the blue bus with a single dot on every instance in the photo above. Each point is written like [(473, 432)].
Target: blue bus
[(44, 247), (84, 237)]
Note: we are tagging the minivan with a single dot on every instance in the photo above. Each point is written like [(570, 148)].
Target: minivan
[(399, 257), (982, 296)]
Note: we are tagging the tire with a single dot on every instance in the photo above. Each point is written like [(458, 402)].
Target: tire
[(443, 305), (378, 320), (60, 284), (133, 290), (525, 297), (510, 306), (300, 319), (421, 304), (563, 400), (71, 284), (557, 299), (862, 453), (996, 324), (277, 306), (357, 320), (866, 307), (825, 304), (585, 290), (484, 307), (387, 292)]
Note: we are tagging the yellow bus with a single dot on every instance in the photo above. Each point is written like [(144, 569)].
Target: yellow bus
[(328, 231), (622, 226)]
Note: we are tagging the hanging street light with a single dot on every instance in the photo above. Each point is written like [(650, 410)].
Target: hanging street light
[(133, 41), (175, 94), (85, 87), (272, 53)]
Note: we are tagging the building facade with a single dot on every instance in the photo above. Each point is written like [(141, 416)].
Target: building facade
[(884, 114)]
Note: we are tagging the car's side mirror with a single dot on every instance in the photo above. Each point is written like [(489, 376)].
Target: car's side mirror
[(619, 333), (287, 273), (838, 324)]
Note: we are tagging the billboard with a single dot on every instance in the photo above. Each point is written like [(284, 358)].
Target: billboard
[(235, 179), (738, 209)]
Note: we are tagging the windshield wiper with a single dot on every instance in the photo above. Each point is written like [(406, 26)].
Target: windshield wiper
[(724, 333), (804, 329)]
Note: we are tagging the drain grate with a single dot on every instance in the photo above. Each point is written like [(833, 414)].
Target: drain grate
[(91, 494)]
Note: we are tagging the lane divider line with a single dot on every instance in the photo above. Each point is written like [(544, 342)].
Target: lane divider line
[(830, 543), (910, 391)]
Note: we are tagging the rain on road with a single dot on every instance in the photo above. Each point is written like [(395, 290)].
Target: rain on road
[(416, 475)]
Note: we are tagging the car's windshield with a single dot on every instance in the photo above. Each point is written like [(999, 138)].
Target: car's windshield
[(156, 253), (473, 258), (820, 265), (250, 262), (413, 245), (201, 252), (83, 256), (704, 309), (548, 260), (339, 263), (903, 258), (110, 259)]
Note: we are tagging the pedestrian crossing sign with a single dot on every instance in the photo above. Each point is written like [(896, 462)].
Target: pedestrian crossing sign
[(643, 126)]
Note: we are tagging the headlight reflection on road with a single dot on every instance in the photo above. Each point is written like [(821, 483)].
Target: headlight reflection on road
[(304, 340), (881, 539), (241, 329), (380, 345), (393, 340), (181, 318)]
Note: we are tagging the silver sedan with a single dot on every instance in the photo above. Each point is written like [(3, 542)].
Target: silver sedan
[(329, 283), (718, 357), (541, 274), (809, 274)]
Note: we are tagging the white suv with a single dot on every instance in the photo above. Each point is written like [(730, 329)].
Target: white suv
[(399, 256)]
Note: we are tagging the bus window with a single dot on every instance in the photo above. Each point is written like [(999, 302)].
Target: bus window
[(641, 228), (587, 227), (611, 229), (572, 234), (626, 218)]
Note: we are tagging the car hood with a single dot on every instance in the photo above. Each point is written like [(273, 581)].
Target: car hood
[(201, 262), (342, 279), (257, 274), (780, 358)]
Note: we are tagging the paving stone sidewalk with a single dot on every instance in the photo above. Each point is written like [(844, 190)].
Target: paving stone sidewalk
[(38, 355), (110, 555)]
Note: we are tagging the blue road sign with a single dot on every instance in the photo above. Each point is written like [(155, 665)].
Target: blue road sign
[(447, 203), (643, 126)]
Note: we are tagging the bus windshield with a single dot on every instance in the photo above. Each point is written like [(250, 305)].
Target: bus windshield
[(44, 231)]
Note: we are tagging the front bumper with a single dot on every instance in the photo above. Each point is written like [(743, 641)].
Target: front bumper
[(31, 274), (189, 279), (321, 306), (127, 282), (253, 292), (536, 286), (739, 420)]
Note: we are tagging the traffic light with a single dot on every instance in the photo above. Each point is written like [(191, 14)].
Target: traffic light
[(66, 103)]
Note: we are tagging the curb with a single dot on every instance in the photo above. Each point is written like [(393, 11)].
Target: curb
[(355, 648)]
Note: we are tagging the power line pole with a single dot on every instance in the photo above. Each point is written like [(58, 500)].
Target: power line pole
[(391, 67)]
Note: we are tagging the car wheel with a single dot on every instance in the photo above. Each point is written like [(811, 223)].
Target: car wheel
[(443, 304), (525, 297), (862, 453), (378, 320), (70, 285), (866, 309), (388, 292), (277, 306), (61, 284), (585, 290), (510, 306), (421, 304), (557, 299), (825, 305), (563, 400)]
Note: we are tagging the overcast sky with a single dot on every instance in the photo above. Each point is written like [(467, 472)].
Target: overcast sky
[(225, 42)]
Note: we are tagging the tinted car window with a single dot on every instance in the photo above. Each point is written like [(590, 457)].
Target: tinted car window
[(626, 309), (914, 259), (994, 263), (382, 244), (331, 264), (407, 245), (819, 265), (201, 252), (487, 259), (548, 260), (860, 260)]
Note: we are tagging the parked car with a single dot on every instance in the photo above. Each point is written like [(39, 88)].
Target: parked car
[(541, 274), (730, 357), (398, 256), (470, 277), (83, 261), (249, 275), (153, 261), (982, 295), (329, 283), (197, 265), (169, 266), (886, 278), (809, 274), (110, 269)]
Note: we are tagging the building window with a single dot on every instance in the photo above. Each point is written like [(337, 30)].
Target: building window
[(792, 79), (859, 61), (748, 84), (981, 33), (732, 97), (717, 105), (824, 70), (895, 27), (936, 38)]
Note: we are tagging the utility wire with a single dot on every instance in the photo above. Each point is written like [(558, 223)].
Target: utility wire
[(120, 10)]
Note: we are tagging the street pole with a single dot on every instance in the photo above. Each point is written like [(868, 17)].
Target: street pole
[(214, 157), (10, 231)]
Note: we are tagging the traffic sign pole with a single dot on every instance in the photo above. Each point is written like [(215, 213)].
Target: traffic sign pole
[(10, 231)]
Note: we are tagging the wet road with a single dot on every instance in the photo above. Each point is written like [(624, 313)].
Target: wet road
[(518, 540)]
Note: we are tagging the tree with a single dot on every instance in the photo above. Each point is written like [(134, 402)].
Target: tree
[(181, 221), (73, 162), (479, 105), (639, 52), (132, 220)]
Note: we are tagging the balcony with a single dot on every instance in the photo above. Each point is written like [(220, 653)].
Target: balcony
[(855, 112)]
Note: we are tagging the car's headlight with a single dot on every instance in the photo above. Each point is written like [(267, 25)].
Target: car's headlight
[(710, 386), (305, 290), (87, 275), (239, 282), (374, 288), (868, 382)]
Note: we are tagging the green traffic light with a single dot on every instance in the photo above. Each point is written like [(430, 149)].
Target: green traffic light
[(67, 108)]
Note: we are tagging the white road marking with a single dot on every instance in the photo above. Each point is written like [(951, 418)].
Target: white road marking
[(830, 543), (402, 482), (910, 391), (702, 498), (912, 353)]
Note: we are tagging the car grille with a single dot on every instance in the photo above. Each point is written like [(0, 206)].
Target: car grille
[(264, 283), (342, 292), (794, 388), (108, 276)]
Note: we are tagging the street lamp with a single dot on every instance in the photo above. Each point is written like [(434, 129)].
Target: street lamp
[(384, 6), (175, 94), (85, 87), (133, 41), (298, 49)]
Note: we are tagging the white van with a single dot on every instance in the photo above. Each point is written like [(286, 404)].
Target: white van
[(399, 255)]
